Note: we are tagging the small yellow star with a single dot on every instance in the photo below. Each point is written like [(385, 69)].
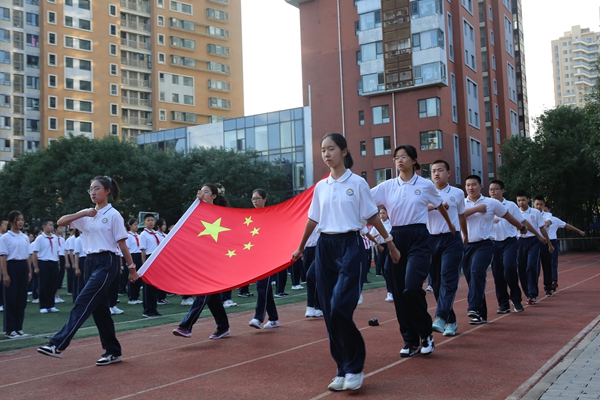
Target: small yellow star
[(213, 229), (254, 231), (230, 253), (248, 246), (248, 221)]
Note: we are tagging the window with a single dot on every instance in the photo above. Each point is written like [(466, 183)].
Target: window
[(450, 39), (361, 118), (476, 161), (52, 102), (381, 115), (495, 87), (372, 83), (431, 140), (161, 39), (219, 32), (112, 29), (162, 115), (85, 25), (77, 43), (4, 79), (114, 129), (496, 111), (429, 73), (512, 86), (4, 35), (217, 14), (428, 39), (34, 40), (175, 98), (113, 69), (371, 51), (468, 5), (216, 49), (180, 7), (161, 58), (52, 38), (84, 4), (5, 123), (508, 36), (33, 125), (214, 102), (382, 146), (33, 62), (493, 62), (112, 49), (114, 109), (426, 171), (473, 103), (363, 148), (490, 13), (424, 8), (52, 123), (4, 57), (187, 99), (78, 105), (4, 101), (114, 89), (68, 21), (370, 20), (160, 20), (454, 106), (469, 43), (175, 79), (112, 10), (382, 175), (33, 82), (179, 116), (69, 83), (497, 136), (160, 3), (51, 80), (214, 66), (4, 14), (429, 107), (514, 123), (492, 38), (32, 19), (214, 84), (33, 104)]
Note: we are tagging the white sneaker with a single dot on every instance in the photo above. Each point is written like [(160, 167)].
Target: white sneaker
[(255, 323), (271, 324), (35, 301), (187, 302), (43, 311), (23, 334), (353, 381), (389, 298), (310, 312), (360, 299), (297, 287), (337, 384), (53, 309), (115, 311), (229, 303), (132, 302), (318, 313), (1, 308), (58, 300)]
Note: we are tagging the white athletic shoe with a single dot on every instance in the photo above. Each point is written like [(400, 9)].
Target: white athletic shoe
[(115, 311), (297, 287), (271, 324), (310, 312), (389, 298), (360, 299), (229, 303), (57, 299)]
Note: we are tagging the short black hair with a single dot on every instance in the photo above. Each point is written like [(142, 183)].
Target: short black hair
[(476, 177), (522, 193), (442, 162), (149, 216), (540, 198), (498, 182)]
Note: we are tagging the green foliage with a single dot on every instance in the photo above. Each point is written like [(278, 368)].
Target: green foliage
[(53, 181)]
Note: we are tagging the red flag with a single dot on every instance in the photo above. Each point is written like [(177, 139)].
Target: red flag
[(213, 248)]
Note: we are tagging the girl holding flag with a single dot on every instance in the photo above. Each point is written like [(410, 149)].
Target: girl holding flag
[(341, 206)]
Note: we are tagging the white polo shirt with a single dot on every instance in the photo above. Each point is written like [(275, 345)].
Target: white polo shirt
[(102, 232), (3, 251), (535, 219), (17, 245), (149, 241), (455, 198), (46, 246), (61, 245), (557, 223), (479, 225), (70, 243), (546, 216), (406, 202), (313, 238), (504, 229), (133, 242), (342, 205), (388, 227), (78, 248)]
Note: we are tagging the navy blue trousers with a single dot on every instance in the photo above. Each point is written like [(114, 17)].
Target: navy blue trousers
[(149, 299), (133, 291), (476, 259), (446, 255), (48, 277), (308, 258), (101, 270), (555, 259), (215, 305), (546, 260), (265, 302), (339, 261), (529, 265), (504, 269), (15, 296), (79, 281), (407, 282), (280, 281)]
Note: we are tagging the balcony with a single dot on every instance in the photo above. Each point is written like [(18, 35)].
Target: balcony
[(135, 63), (134, 101), (136, 120), (135, 82), (135, 44), (140, 6), (140, 26)]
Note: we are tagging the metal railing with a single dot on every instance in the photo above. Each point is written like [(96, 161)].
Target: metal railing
[(135, 63), (134, 101), (135, 5)]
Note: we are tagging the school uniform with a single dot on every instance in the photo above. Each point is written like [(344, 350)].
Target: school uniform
[(62, 262), (133, 244), (382, 267), (149, 241), (504, 264), (528, 255), (546, 257), (308, 258), (16, 248), (478, 254), (69, 246), (406, 203), (340, 208), (215, 305), (46, 247), (100, 236), (446, 252), (265, 302), (79, 281), (557, 223), (368, 254), (161, 294)]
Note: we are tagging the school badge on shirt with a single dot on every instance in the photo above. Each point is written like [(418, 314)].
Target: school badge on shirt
[(417, 192), (104, 220), (452, 198), (350, 192)]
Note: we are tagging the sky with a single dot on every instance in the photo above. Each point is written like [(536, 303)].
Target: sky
[(272, 59)]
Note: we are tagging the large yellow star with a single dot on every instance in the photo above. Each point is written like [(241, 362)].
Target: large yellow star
[(248, 246), (213, 229), (248, 221), (230, 253), (254, 231)]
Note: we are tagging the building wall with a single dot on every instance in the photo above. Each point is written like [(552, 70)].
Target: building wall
[(573, 58), (336, 106)]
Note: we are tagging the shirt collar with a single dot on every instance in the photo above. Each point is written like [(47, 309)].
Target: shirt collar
[(412, 180), (341, 179), (476, 201)]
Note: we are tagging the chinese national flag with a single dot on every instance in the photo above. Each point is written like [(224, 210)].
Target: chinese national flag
[(213, 248)]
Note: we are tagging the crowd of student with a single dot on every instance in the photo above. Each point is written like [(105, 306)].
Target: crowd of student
[(419, 228)]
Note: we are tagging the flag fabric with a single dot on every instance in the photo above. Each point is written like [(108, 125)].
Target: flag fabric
[(213, 248)]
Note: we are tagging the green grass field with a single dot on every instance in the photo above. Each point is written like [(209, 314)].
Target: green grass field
[(43, 326)]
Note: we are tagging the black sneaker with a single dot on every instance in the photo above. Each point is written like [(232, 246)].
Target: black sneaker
[(219, 333), (108, 359), (478, 321), (49, 350), (280, 295), (409, 351), (518, 307), (549, 293), (163, 302), (503, 310)]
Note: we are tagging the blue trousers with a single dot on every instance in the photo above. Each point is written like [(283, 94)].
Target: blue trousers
[(149, 299), (339, 261), (101, 269), (79, 281), (48, 277), (529, 265), (476, 260), (504, 269), (546, 260), (15, 296), (215, 305), (555, 260), (134, 288), (407, 282), (265, 302), (446, 255), (383, 263), (308, 257)]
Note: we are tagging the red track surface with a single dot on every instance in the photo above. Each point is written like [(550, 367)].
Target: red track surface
[(492, 361)]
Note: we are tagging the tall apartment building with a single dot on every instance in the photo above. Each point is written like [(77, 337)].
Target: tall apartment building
[(436, 74), (573, 58), (116, 68)]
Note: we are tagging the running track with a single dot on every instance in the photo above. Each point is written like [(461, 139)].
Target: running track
[(502, 359)]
